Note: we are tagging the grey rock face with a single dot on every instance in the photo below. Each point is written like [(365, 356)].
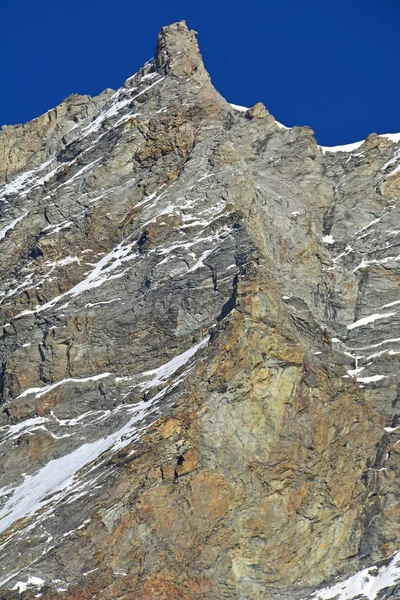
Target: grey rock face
[(200, 349)]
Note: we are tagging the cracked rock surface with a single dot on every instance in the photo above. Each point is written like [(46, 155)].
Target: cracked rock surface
[(200, 347)]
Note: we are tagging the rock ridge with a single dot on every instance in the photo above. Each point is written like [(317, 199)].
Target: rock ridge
[(199, 357)]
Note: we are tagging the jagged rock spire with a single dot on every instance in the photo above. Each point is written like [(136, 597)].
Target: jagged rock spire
[(177, 51)]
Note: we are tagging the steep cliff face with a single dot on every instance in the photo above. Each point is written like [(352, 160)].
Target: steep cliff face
[(200, 348)]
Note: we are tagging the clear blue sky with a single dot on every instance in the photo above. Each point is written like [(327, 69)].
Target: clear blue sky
[(330, 64)]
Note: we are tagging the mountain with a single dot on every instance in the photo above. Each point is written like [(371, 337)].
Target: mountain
[(200, 349)]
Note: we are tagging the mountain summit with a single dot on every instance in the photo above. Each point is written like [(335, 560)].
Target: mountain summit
[(200, 349)]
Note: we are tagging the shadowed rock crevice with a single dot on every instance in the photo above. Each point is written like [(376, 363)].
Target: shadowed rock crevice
[(231, 303)]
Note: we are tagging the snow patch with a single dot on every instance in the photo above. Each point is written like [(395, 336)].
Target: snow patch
[(370, 319), (343, 148), (374, 261), (328, 239), (393, 137), (371, 379), (11, 225), (161, 374), (32, 582), (13, 429), (239, 108), (391, 304), (368, 582), (41, 391)]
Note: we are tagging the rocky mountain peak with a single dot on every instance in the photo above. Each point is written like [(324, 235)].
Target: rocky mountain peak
[(199, 352), (177, 51)]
